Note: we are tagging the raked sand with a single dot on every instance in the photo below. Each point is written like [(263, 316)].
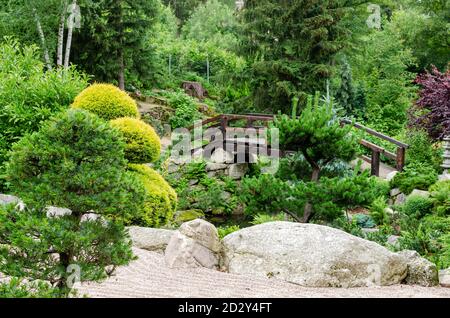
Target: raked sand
[(149, 277)]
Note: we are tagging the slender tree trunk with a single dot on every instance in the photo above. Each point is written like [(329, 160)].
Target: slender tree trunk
[(43, 42), (121, 70), (61, 34), (121, 57), (69, 35)]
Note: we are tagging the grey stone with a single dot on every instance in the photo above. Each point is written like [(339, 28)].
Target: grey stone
[(185, 252), (225, 196), (195, 244), (211, 166), (311, 255), (391, 175), (150, 239), (221, 156), (193, 182), (394, 192), (420, 270), (202, 232), (444, 176), (237, 171), (55, 212), (92, 217), (444, 277), (9, 199), (401, 198), (420, 193), (393, 240)]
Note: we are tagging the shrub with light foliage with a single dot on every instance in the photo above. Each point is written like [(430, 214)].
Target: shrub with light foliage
[(106, 101), (142, 142)]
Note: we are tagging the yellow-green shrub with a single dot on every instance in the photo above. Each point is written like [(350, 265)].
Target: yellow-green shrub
[(143, 143), (161, 199), (106, 101)]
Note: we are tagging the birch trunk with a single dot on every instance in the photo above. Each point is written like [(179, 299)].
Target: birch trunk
[(42, 37), (69, 35), (61, 34)]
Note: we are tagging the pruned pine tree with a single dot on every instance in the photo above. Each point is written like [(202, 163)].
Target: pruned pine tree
[(318, 137)]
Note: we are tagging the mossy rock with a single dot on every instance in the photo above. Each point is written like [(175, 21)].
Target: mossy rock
[(106, 101), (188, 215), (160, 198), (142, 142)]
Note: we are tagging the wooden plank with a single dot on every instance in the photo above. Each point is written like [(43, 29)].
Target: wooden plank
[(371, 146), (206, 121), (376, 133)]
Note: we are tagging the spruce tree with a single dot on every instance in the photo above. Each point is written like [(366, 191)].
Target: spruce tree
[(292, 44), (345, 95)]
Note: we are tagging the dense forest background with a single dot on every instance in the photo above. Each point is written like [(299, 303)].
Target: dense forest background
[(251, 59)]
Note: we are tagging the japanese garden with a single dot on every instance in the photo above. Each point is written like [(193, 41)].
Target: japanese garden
[(225, 149)]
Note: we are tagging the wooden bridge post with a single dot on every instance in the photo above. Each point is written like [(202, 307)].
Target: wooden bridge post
[(223, 128), (375, 165), (400, 158)]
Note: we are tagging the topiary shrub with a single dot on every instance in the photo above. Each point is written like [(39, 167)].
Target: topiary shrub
[(417, 206), (160, 200), (142, 143), (106, 101)]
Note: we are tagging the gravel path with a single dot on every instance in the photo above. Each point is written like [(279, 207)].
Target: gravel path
[(148, 277)]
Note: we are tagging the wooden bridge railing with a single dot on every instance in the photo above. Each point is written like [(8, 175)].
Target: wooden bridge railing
[(222, 122)]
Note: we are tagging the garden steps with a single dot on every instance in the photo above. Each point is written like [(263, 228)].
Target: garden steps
[(385, 169)]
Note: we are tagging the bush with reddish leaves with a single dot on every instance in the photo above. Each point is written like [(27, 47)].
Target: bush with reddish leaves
[(432, 109)]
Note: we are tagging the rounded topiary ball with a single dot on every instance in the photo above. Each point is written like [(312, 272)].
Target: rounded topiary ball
[(143, 143), (160, 200), (106, 101)]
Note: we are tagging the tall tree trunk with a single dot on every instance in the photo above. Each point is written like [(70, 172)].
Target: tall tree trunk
[(62, 22), (69, 34), (121, 70), (42, 37)]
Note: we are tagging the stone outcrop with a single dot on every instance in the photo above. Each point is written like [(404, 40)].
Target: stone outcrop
[(311, 255), (420, 270), (150, 239), (195, 244)]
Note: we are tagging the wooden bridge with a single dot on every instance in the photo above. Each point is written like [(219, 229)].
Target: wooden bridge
[(226, 123)]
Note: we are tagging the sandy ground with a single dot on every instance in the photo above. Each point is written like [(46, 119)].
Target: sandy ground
[(148, 277)]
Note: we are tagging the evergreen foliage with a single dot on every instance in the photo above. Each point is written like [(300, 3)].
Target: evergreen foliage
[(291, 46), (107, 102), (142, 143)]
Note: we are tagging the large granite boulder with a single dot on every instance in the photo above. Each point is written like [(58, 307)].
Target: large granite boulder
[(195, 244), (420, 270), (150, 239), (311, 255)]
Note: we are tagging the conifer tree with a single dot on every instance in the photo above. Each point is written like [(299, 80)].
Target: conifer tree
[(292, 44), (318, 137), (345, 95)]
